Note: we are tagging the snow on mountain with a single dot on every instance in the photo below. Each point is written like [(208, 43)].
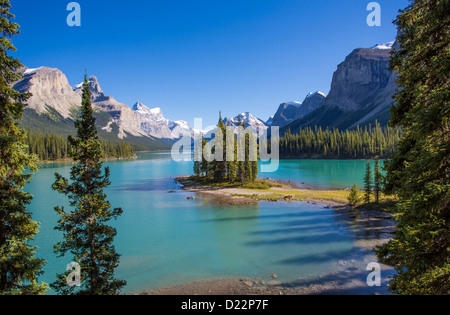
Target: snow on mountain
[(155, 124), (312, 94), (31, 71), (387, 45), (250, 121)]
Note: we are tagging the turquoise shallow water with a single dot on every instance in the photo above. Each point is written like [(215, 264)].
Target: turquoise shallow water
[(323, 173), (166, 239)]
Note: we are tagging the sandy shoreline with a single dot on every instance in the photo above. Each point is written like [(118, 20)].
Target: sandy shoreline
[(348, 276), (287, 191)]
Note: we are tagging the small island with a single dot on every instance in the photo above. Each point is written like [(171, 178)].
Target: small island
[(263, 190)]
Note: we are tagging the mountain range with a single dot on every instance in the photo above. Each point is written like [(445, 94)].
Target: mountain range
[(361, 92), (54, 106)]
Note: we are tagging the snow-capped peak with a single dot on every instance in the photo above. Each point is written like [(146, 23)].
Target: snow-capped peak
[(387, 45), (154, 123), (311, 94), (31, 71), (144, 110), (156, 111), (182, 124), (294, 103)]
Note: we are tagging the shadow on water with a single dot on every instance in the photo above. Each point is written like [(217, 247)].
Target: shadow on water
[(319, 227), (367, 225), (313, 238), (332, 255), (158, 184)]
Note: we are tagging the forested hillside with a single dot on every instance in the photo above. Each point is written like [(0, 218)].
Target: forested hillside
[(361, 143), (51, 147)]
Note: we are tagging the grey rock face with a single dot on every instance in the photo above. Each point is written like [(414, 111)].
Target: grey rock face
[(360, 79), (155, 124), (49, 88), (127, 120), (51, 91), (312, 102), (286, 113)]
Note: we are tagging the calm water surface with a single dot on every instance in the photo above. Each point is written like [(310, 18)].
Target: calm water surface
[(165, 239)]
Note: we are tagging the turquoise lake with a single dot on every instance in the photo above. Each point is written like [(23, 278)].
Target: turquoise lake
[(165, 239)]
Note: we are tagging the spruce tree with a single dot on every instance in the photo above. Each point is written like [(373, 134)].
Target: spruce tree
[(198, 156), (378, 181), (87, 236), (253, 164), (247, 165), (19, 268), (368, 183), (232, 164), (241, 164), (353, 197), (220, 167), (205, 165), (419, 173)]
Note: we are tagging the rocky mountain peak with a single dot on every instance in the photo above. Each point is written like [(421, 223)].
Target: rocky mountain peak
[(312, 102), (49, 88), (286, 113), (362, 75), (250, 121)]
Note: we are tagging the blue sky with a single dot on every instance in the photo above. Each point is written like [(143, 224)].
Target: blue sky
[(196, 58)]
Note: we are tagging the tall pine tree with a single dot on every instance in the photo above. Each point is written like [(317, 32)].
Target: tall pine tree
[(419, 173), (220, 165), (87, 236), (377, 181), (19, 268), (368, 183)]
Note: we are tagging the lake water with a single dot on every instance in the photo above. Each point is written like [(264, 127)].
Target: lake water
[(165, 239)]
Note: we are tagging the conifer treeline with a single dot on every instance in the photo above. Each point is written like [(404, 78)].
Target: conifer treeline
[(243, 167), (361, 143), (51, 147)]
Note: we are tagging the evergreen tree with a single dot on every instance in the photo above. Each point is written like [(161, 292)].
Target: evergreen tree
[(87, 235), (378, 181), (219, 167), (419, 174), (241, 164), (232, 164), (198, 156), (204, 166), (247, 166), (19, 268), (361, 143), (253, 164), (353, 197), (368, 183)]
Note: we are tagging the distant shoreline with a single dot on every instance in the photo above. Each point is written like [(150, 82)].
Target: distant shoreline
[(68, 160)]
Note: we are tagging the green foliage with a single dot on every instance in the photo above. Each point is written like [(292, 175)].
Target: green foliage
[(334, 117), (368, 184), (353, 197), (361, 143), (378, 181), (51, 147), (19, 269), (419, 174), (229, 169), (87, 236)]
